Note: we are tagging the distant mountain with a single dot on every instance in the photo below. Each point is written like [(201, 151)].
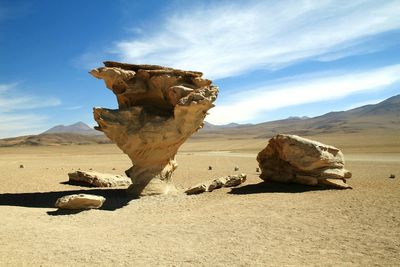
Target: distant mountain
[(75, 134), (210, 126), (384, 116), (54, 139), (76, 128)]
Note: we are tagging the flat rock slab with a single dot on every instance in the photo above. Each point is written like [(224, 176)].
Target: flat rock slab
[(80, 201), (98, 179), (210, 185)]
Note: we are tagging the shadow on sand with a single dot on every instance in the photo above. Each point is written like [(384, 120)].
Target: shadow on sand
[(115, 199), (274, 187)]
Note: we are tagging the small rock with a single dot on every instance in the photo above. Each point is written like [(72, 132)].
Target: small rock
[(235, 180), (257, 169), (90, 169), (209, 186), (209, 168), (80, 201), (236, 168), (392, 176), (197, 189), (21, 166), (113, 169)]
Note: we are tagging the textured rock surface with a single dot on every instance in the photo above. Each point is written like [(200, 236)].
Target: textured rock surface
[(81, 201), (158, 109), (290, 158), (209, 186), (99, 179)]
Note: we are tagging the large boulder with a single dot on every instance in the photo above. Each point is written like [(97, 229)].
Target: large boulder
[(159, 108), (98, 179), (291, 158), (80, 201)]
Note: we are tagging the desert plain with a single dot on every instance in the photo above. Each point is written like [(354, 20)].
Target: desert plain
[(255, 224)]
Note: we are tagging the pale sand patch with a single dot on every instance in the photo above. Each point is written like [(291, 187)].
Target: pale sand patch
[(255, 224)]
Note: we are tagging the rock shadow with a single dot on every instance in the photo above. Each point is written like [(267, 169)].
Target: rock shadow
[(275, 187), (115, 199), (77, 183)]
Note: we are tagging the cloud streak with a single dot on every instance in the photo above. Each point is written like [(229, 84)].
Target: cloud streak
[(11, 100), (21, 124), (248, 105), (16, 114), (227, 39)]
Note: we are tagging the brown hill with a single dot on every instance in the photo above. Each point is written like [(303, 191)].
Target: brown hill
[(369, 120), (381, 117), (76, 128), (54, 139)]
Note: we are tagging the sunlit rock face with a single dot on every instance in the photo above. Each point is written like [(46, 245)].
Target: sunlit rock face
[(158, 109), (293, 159)]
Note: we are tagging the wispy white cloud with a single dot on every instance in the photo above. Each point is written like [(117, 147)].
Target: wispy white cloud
[(73, 107), (227, 39), (12, 100), (21, 124), (248, 105), (16, 111), (7, 86)]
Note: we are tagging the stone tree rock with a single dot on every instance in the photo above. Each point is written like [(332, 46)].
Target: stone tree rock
[(291, 158), (158, 109)]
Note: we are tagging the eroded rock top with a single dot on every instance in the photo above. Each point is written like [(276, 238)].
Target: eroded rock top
[(155, 88)]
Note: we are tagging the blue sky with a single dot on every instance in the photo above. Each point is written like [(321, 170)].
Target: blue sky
[(270, 59)]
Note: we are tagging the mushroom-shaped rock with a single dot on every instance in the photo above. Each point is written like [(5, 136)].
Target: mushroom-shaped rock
[(80, 201), (291, 158), (158, 109), (98, 179)]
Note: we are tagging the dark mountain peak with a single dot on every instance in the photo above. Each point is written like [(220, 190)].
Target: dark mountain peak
[(76, 128), (391, 100)]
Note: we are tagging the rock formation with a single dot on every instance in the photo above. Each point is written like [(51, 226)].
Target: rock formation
[(158, 109), (98, 179), (290, 158), (81, 201), (209, 186)]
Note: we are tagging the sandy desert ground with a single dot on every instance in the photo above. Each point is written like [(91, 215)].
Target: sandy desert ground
[(256, 224)]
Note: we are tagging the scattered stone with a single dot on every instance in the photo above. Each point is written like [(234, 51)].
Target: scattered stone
[(197, 189), (21, 166), (291, 158), (99, 179), (80, 201), (209, 168), (113, 169), (392, 176), (236, 168), (90, 169), (257, 169), (235, 180), (159, 108), (209, 186)]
